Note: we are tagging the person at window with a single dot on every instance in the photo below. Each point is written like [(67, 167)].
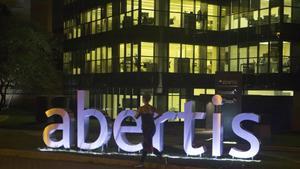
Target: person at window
[(199, 16), (146, 112)]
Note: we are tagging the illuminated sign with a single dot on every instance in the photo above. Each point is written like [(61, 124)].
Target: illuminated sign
[(119, 132)]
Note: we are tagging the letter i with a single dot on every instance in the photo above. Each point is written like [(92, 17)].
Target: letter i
[(217, 141)]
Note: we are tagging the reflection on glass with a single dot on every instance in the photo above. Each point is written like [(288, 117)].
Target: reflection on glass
[(264, 4), (244, 20), (275, 15), (287, 2), (264, 16), (287, 15), (243, 66), (175, 13), (174, 54), (234, 21), (252, 67), (253, 18), (224, 59), (225, 23), (173, 101), (263, 57), (147, 14), (286, 53), (274, 56), (233, 58), (212, 53), (147, 53)]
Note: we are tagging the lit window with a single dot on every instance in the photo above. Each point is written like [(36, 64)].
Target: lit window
[(233, 58), (275, 15), (286, 53), (198, 92), (175, 13), (287, 15), (174, 54), (147, 51), (212, 53), (264, 4), (269, 92), (263, 57)]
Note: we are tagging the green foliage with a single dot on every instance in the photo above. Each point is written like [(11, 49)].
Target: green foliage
[(27, 58)]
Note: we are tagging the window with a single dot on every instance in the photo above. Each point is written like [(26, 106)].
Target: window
[(224, 59), (212, 55), (274, 56), (275, 17), (243, 65), (287, 2), (286, 54), (103, 59), (109, 59), (109, 16), (147, 15), (175, 13), (264, 4), (186, 62), (225, 20), (264, 16), (202, 15), (67, 61), (98, 60), (213, 19), (197, 61), (128, 57), (233, 58), (234, 21), (252, 67), (147, 53), (244, 20), (287, 15), (93, 61), (174, 55), (174, 101), (263, 57), (253, 18), (188, 6)]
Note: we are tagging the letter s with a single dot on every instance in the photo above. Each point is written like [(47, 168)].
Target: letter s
[(254, 142)]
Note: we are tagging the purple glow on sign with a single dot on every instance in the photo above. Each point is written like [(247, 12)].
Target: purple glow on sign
[(189, 116)]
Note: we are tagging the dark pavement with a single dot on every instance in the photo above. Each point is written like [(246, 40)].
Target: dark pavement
[(26, 163), (18, 149)]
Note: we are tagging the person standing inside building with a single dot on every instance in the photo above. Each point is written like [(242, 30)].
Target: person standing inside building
[(148, 127)]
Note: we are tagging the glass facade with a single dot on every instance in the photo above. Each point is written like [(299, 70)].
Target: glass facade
[(188, 38), (98, 60), (263, 56), (252, 58), (191, 14)]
